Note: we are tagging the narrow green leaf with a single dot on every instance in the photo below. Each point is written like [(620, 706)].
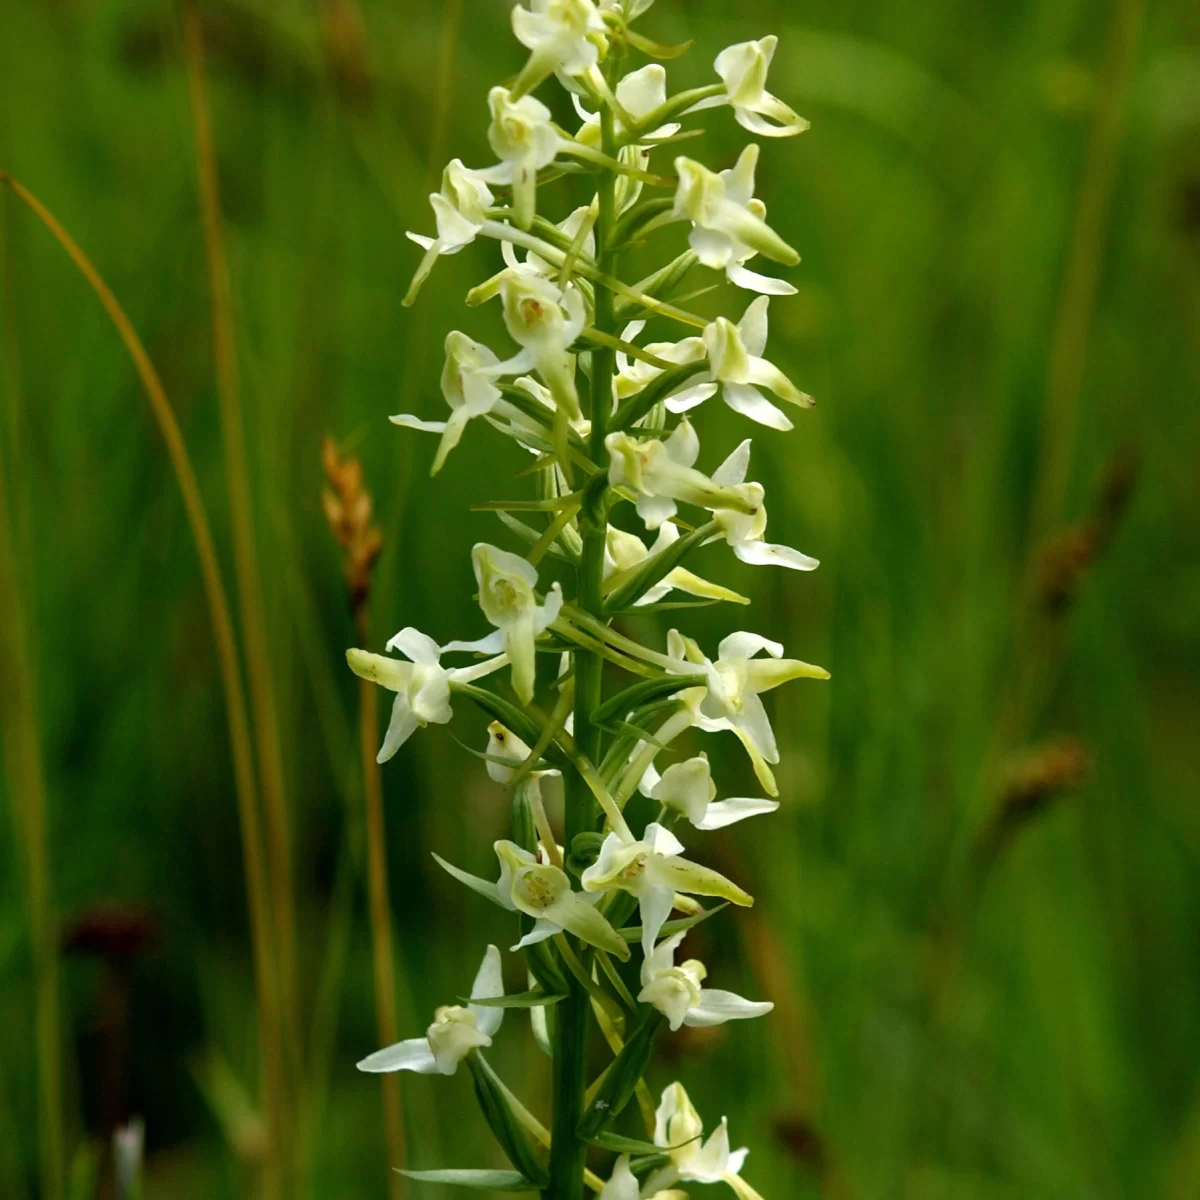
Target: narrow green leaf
[(636, 407), (622, 1079), (648, 1162), (542, 964), (534, 999), (506, 713), (636, 583), (530, 535), (663, 606), (503, 1121), (634, 933), (484, 1181), (623, 1145), (643, 693)]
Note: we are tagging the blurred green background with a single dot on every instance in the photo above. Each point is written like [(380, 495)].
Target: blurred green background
[(979, 909)]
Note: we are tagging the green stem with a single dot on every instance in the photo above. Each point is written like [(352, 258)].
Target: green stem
[(568, 1151)]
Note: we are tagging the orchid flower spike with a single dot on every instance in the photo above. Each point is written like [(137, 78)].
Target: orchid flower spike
[(661, 473), (678, 994), (523, 137), (736, 364), (745, 533), (455, 1032), (743, 70), (422, 686), (735, 681), (563, 36), (460, 210), (507, 597), (729, 225), (688, 788), (539, 890), (653, 870), (625, 552), (678, 1129), (469, 387)]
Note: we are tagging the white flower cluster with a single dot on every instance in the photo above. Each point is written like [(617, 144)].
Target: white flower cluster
[(596, 407)]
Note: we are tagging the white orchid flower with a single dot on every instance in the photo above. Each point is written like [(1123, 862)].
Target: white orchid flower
[(653, 870), (542, 891), (422, 686), (523, 137), (460, 210), (729, 225), (688, 788), (743, 70), (469, 387), (623, 1184), (569, 228), (564, 36), (633, 374), (625, 552), (544, 320), (735, 681), (678, 1129), (639, 93), (507, 597), (455, 1032), (737, 366), (678, 992), (745, 533), (661, 473)]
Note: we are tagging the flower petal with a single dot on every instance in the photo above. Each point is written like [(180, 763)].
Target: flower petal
[(493, 643), (716, 1007), (750, 402), (683, 875), (733, 470), (655, 904), (764, 554), (578, 916), (401, 727), (489, 985), (722, 813), (418, 646), (408, 421), (752, 281), (412, 1055), (623, 1184), (543, 928), (747, 645)]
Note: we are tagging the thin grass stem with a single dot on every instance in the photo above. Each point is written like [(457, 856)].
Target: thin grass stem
[(246, 559)]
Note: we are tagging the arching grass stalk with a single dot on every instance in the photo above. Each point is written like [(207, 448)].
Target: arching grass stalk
[(593, 404), (266, 974)]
